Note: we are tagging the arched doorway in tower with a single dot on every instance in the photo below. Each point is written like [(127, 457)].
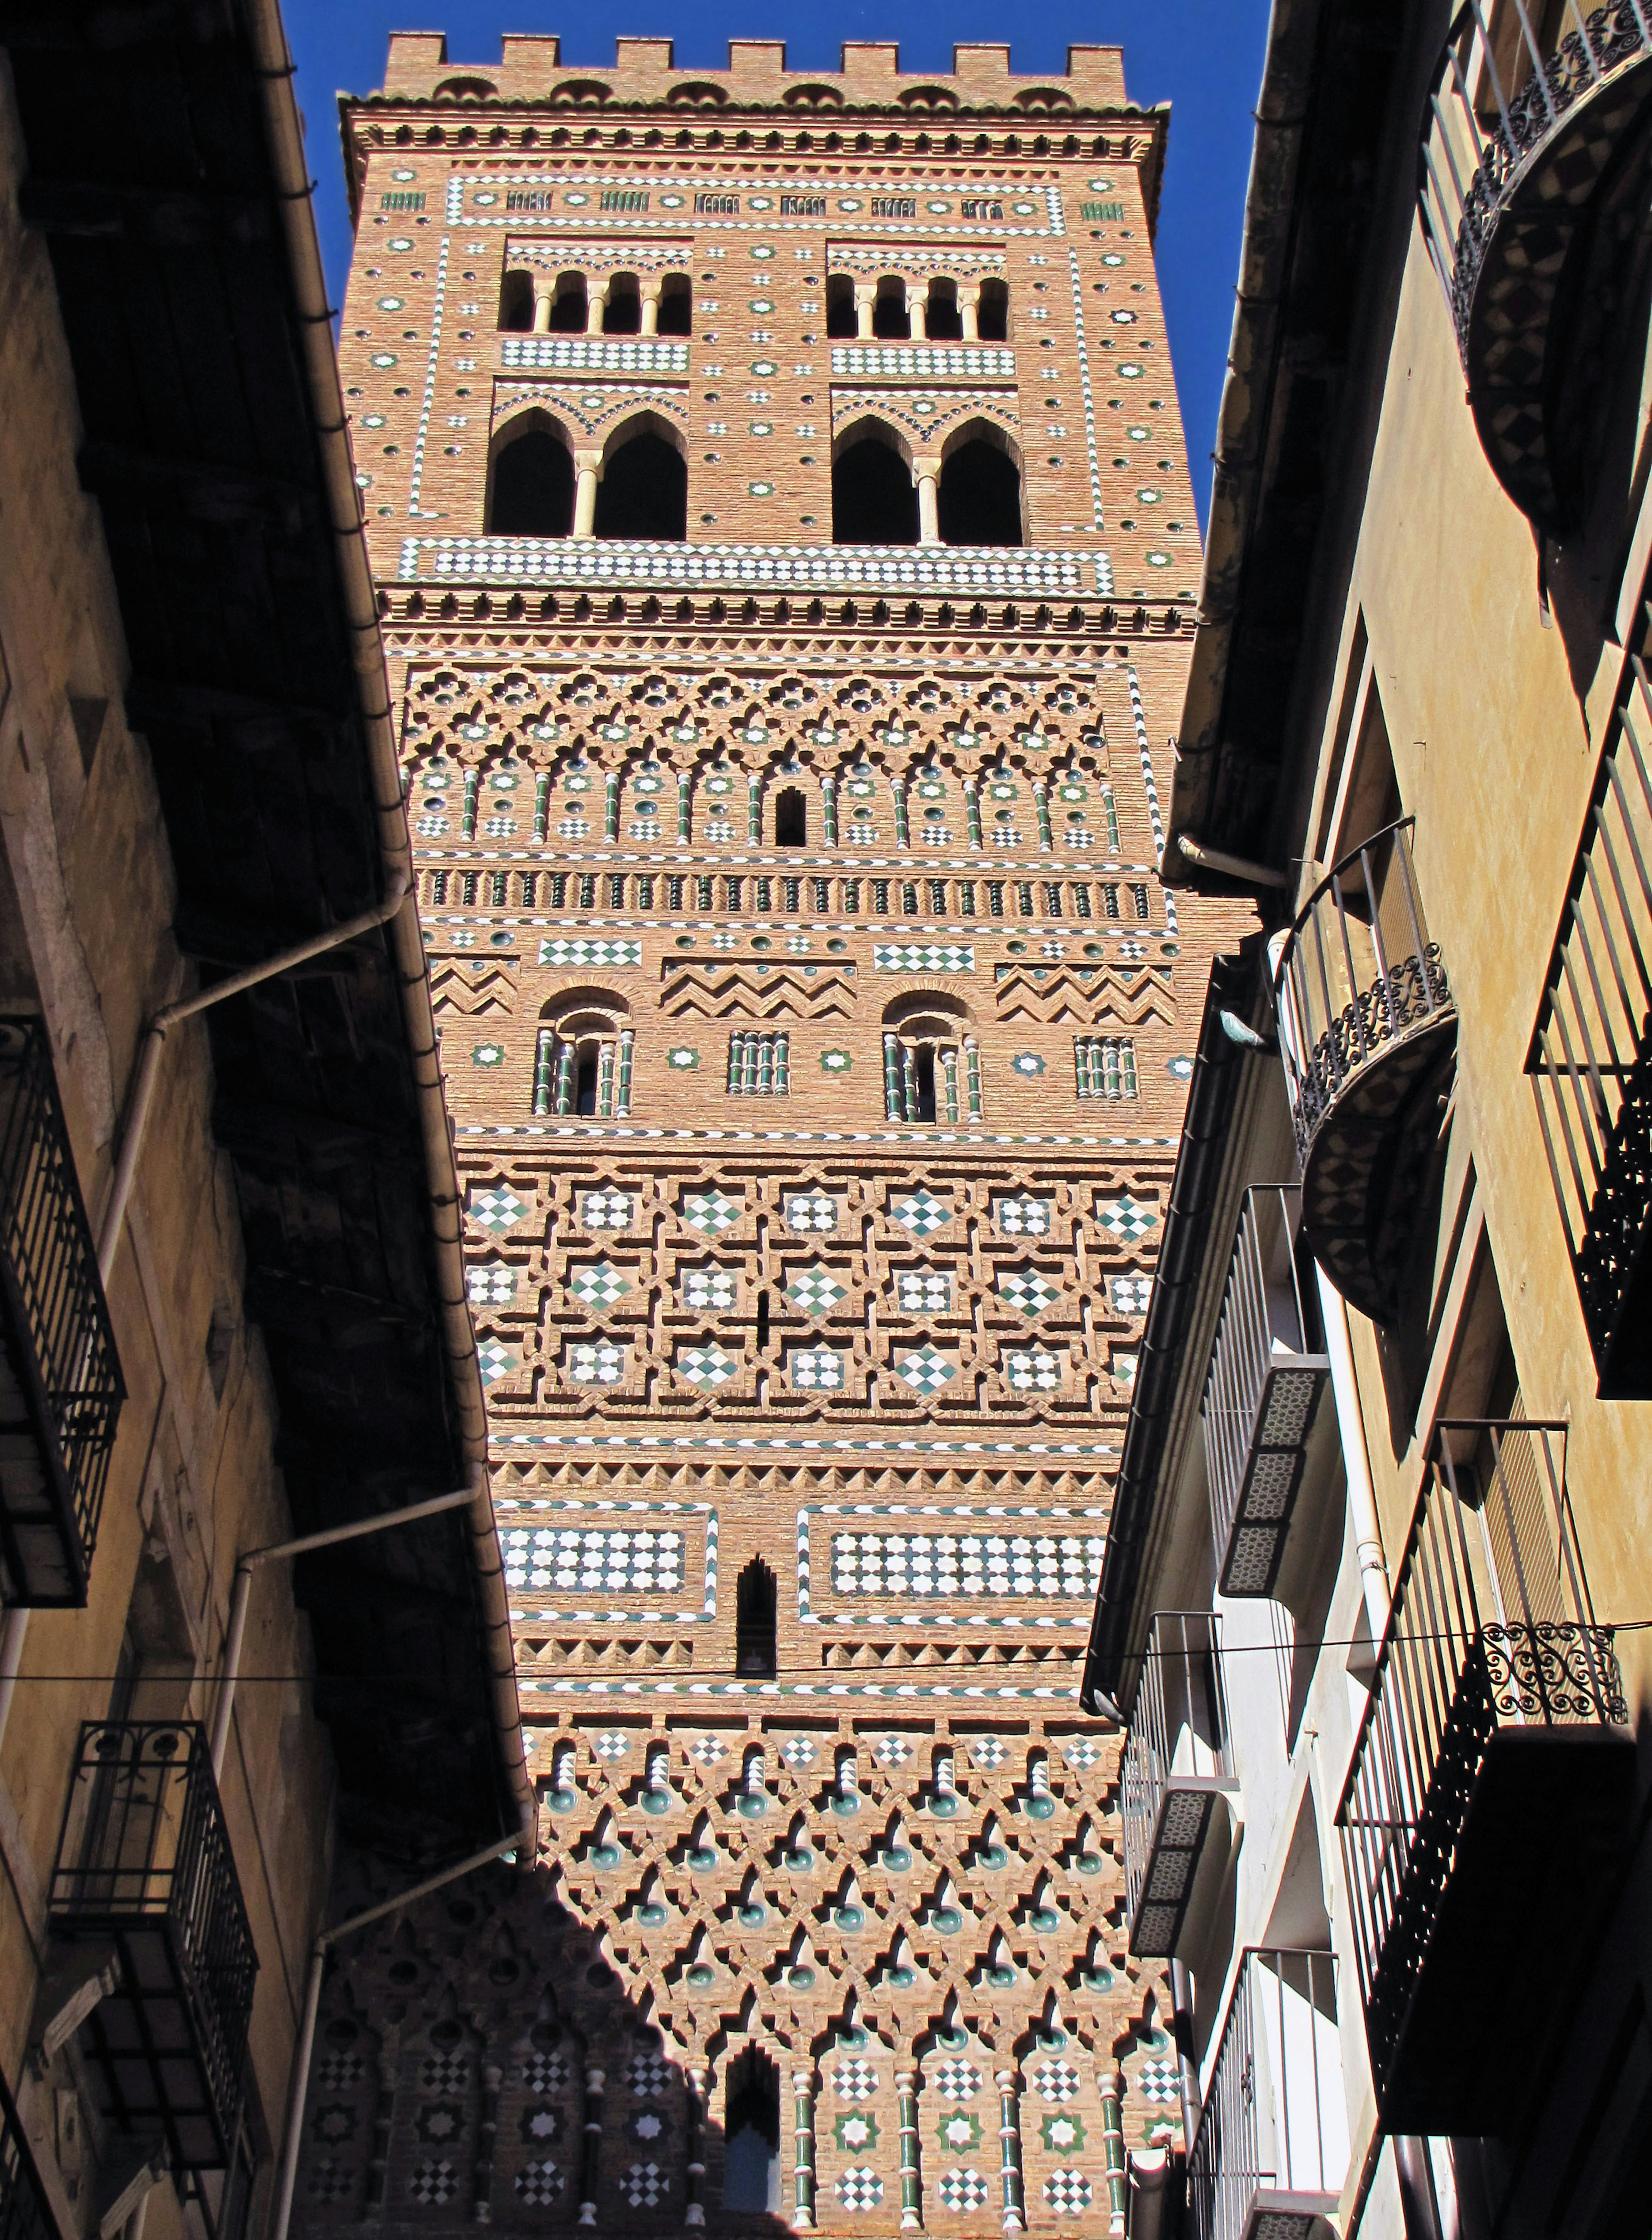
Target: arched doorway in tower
[(751, 2130), (979, 499), (754, 1625), (644, 490), (530, 484), (875, 500)]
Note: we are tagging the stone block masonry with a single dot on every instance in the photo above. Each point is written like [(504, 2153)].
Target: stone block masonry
[(817, 1032)]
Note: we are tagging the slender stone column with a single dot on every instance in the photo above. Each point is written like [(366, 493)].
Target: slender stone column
[(1008, 2083), (928, 474), (544, 285), (650, 291), (968, 300), (828, 797), (627, 1046), (972, 810), (588, 468), (694, 2147), (865, 297), (906, 2095), (1110, 2084), (596, 304), (1040, 801), (803, 2085), (591, 2146)]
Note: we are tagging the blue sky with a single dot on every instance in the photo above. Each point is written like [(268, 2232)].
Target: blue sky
[(1205, 57)]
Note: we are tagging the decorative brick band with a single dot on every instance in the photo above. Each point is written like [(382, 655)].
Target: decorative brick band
[(960, 571), (591, 354)]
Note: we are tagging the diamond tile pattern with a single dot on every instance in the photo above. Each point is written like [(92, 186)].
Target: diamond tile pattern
[(855, 2080), (545, 2072), (539, 2184), (816, 1368), (601, 1561), (1056, 2080), (923, 956), (645, 2185), (599, 1285), (583, 951), (960, 2190), (495, 1360), (709, 1213), (1027, 1291), (958, 2080), (989, 1752), (495, 1210), (711, 1290), (921, 1213), (926, 1370), (612, 1747), (1129, 1294), (1030, 1370), (892, 1749), (859, 2189), (920, 1293), (1157, 2081), (707, 1366), (445, 2072), (1083, 1754), (815, 1291), (1127, 1218), (707, 1750), (648, 2074), (1068, 2192), (798, 1753), (432, 2185), (490, 1283)]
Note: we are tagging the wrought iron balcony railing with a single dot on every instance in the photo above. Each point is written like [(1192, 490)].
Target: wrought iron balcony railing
[(1527, 115), (1267, 1371), (1271, 2153), (25, 2212), (1591, 1056), (1366, 1024), (60, 1382), (145, 1862), (1176, 1778), (1492, 1763)]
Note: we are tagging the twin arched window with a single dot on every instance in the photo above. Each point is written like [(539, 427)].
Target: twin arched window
[(583, 1065), (640, 490), (931, 1066), (538, 301), (895, 309), (878, 499)]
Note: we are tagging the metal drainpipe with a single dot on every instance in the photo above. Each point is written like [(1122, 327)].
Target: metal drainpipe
[(298, 2085), (1356, 1461), (314, 313), (1187, 2066), (235, 1632)]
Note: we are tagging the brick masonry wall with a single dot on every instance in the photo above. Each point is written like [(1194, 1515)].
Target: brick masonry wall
[(725, 1323)]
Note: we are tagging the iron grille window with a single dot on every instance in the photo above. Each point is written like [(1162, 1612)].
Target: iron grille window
[(24, 2213), (64, 1389), (1105, 1065), (145, 1861), (759, 1064)]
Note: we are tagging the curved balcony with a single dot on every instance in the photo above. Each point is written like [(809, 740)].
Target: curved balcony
[(1366, 1027), (1527, 146)]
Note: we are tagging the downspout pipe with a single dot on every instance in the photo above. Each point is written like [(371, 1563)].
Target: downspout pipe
[(298, 2084), (314, 313), (241, 1594)]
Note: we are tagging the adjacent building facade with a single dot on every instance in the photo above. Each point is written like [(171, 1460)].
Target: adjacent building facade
[(231, 1305), (1374, 1600), (785, 545)]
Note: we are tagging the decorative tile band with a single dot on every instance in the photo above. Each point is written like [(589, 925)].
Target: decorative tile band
[(591, 354), (1007, 1550), (909, 363), (605, 1131), (958, 569), (713, 1442), (615, 1556), (1088, 391), (821, 1692)]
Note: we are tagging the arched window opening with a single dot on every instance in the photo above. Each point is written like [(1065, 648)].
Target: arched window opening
[(931, 1070), (516, 304), (676, 305), (992, 313), (943, 321), (791, 819), (582, 1065), (875, 500), (622, 312), (531, 489), (644, 492), (753, 1625), (891, 322), (569, 313), (979, 499), (751, 2128), (840, 307)]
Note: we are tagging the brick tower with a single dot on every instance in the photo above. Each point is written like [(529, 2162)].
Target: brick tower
[(786, 549)]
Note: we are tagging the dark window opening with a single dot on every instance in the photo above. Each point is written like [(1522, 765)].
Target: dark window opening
[(979, 499), (791, 819), (533, 488), (874, 498), (942, 320), (992, 313), (622, 312), (569, 312), (585, 1089), (751, 2127), (923, 1078), (753, 1625), (762, 1320), (516, 304), (676, 305), (644, 492), (840, 308), (891, 321)]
